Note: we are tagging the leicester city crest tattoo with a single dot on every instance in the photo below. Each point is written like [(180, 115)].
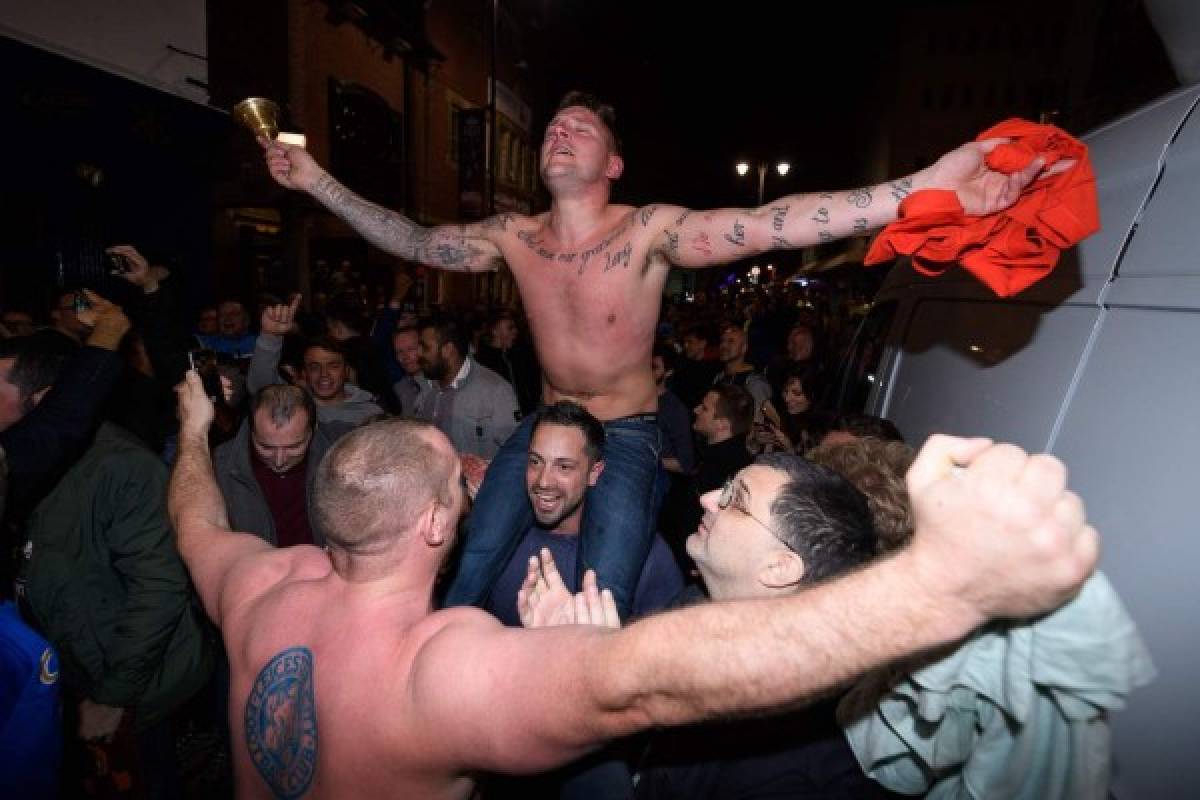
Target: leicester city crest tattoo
[(281, 722)]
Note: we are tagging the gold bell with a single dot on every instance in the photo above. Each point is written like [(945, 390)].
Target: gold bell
[(260, 115)]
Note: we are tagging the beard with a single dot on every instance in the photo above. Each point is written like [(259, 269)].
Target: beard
[(434, 370), (550, 521)]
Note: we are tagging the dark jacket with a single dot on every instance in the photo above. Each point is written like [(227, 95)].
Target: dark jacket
[(41, 446), (244, 500), (519, 366), (104, 583)]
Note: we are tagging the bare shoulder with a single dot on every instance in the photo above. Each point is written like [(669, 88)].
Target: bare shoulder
[(252, 578), (660, 216), (504, 223)]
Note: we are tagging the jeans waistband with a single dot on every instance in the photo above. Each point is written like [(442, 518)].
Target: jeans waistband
[(648, 418)]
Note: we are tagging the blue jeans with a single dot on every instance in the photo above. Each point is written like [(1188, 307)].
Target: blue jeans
[(618, 514)]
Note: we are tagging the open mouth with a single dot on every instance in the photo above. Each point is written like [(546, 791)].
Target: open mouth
[(545, 502)]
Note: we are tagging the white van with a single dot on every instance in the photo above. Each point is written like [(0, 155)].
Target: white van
[(1098, 364)]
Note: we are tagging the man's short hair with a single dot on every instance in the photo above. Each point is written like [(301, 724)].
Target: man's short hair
[(603, 110), (282, 401), (572, 415), (406, 329), (877, 468), (821, 517), (326, 343), (375, 481), (736, 405), (862, 425), (38, 360), (501, 314), (448, 331)]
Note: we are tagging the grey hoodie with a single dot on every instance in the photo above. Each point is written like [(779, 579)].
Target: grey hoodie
[(358, 406)]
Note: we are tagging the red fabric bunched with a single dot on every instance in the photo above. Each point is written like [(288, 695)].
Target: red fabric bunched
[(1011, 249)]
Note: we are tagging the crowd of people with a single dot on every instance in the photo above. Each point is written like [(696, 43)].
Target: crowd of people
[(568, 484)]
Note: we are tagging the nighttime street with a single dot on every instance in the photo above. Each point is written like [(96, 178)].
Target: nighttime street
[(485, 399)]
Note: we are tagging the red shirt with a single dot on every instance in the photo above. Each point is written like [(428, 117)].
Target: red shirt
[(287, 500)]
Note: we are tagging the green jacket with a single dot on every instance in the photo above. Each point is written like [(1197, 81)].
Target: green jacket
[(105, 584)]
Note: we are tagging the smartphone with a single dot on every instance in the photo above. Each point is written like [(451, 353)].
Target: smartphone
[(117, 263), (204, 361)]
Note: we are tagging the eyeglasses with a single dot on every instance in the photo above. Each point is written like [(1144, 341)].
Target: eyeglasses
[(726, 498)]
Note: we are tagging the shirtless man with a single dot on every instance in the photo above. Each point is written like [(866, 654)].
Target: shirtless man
[(344, 682), (591, 276)]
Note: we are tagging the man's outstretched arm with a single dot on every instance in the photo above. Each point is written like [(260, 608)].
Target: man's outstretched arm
[(1000, 538), (706, 238), (460, 248), (197, 510)]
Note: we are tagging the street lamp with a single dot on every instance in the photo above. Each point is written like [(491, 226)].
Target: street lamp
[(743, 167)]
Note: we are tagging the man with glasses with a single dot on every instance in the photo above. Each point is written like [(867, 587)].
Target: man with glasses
[(776, 528)]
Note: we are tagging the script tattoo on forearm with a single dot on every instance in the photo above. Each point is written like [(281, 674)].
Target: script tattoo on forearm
[(859, 198), (901, 188), (860, 225), (646, 213), (821, 216), (778, 215), (738, 237)]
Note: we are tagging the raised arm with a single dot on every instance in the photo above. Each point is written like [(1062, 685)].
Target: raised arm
[(211, 551), (459, 248), (1000, 538), (707, 238)]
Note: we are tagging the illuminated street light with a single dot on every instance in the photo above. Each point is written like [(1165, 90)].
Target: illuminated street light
[(743, 167)]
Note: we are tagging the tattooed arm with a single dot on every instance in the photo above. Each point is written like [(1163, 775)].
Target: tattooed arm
[(460, 248), (707, 238)]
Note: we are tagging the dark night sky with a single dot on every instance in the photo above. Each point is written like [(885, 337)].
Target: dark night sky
[(699, 88)]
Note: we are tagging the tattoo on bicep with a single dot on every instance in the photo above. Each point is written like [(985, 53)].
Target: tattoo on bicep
[(672, 245), (646, 213), (821, 216), (860, 225), (682, 217), (824, 236), (901, 188), (778, 215), (859, 198), (702, 244), (779, 241), (499, 222), (281, 722), (738, 237)]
